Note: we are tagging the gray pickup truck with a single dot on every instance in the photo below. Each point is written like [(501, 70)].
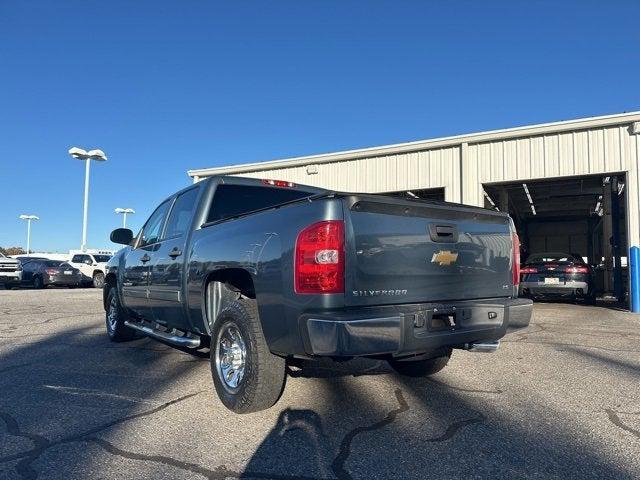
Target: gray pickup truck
[(263, 272)]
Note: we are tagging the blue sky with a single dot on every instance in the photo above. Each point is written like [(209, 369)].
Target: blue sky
[(162, 87)]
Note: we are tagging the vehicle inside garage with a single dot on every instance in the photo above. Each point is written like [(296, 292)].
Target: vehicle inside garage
[(581, 216)]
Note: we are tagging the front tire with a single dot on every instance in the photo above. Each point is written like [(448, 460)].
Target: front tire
[(420, 368), (246, 375), (98, 280), (115, 317)]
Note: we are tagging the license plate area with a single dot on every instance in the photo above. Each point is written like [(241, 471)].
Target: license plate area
[(442, 320), (551, 281)]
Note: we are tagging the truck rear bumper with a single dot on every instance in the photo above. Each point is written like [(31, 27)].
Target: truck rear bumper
[(412, 329), (565, 289)]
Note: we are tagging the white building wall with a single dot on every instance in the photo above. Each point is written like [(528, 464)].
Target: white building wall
[(603, 150), (433, 168), (462, 164)]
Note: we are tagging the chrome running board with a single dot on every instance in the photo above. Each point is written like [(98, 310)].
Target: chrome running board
[(167, 337)]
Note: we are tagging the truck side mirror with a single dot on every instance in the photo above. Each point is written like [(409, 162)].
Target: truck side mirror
[(122, 236)]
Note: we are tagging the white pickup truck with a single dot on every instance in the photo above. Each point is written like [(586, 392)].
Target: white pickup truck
[(92, 266), (10, 272)]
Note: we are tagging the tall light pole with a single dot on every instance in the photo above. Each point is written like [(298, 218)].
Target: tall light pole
[(29, 218), (81, 154), (124, 212)]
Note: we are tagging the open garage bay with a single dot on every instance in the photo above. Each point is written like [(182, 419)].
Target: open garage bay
[(558, 400)]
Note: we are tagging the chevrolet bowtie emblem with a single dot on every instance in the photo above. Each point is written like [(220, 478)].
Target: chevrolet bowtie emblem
[(444, 257)]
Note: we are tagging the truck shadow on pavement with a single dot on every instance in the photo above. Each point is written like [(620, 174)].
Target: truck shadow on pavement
[(66, 394), (428, 429)]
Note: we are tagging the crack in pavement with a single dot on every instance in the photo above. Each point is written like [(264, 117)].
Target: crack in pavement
[(220, 472), (24, 467), (91, 392), (613, 418), (454, 428), (338, 464)]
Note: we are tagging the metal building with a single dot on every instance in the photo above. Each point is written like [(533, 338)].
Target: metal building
[(568, 185)]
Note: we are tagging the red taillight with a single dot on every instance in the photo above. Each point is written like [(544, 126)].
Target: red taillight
[(516, 258), (524, 270), (319, 258), (278, 183), (576, 270), (51, 271)]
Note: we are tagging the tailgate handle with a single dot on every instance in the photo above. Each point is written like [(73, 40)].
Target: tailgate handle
[(443, 233)]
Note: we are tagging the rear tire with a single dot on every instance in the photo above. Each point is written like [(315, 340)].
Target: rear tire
[(420, 368), (98, 280), (37, 282), (115, 318), (246, 375)]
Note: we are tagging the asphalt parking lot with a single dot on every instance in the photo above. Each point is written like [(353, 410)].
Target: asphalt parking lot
[(560, 399)]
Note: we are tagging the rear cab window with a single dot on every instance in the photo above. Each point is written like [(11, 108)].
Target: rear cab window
[(234, 200), (553, 257)]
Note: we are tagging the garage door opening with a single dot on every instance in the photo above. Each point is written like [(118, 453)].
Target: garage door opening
[(583, 216)]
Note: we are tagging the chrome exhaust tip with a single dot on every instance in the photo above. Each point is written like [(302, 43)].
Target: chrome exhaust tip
[(482, 347)]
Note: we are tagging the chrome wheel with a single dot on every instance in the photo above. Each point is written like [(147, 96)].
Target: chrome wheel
[(112, 315), (231, 355)]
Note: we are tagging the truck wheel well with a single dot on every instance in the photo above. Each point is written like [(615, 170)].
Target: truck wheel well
[(109, 282), (223, 287), (236, 279)]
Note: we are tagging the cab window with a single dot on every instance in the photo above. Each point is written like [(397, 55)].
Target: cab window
[(152, 230), (181, 214), (234, 200)]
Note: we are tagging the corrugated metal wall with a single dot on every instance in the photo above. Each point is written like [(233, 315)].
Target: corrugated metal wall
[(406, 171), (599, 150), (585, 152), (462, 169)]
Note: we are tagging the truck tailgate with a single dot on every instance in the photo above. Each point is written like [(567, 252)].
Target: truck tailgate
[(401, 251)]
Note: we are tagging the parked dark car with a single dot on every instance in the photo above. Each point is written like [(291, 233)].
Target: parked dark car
[(557, 275), (42, 273), (26, 259), (264, 272)]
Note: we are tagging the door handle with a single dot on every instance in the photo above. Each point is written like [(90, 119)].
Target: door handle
[(145, 258), (176, 252)]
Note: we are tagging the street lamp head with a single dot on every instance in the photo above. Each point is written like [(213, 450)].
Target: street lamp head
[(78, 153), (97, 154), (81, 154), (29, 217), (125, 210)]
